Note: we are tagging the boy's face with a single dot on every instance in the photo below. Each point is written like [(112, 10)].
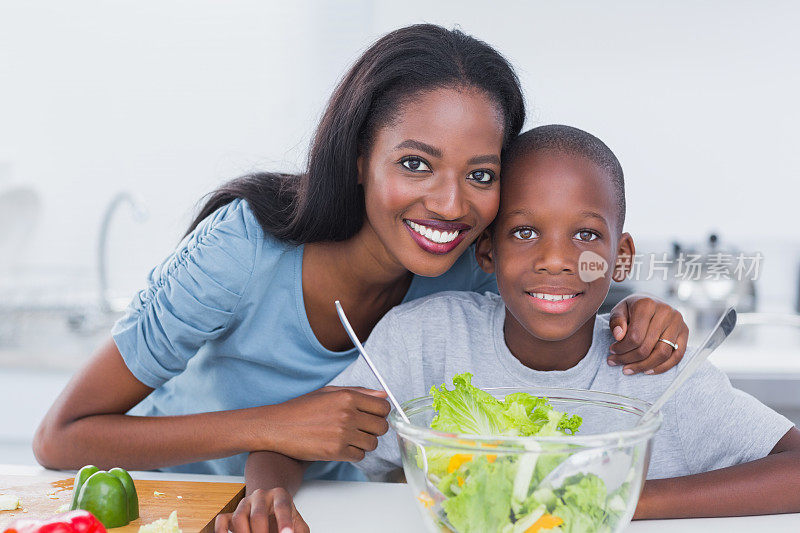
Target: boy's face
[(553, 208)]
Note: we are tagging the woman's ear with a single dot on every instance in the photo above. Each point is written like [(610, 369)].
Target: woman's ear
[(625, 254), (483, 251), (360, 167)]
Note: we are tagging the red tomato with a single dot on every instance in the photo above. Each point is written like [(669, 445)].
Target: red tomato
[(72, 522), (84, 522)]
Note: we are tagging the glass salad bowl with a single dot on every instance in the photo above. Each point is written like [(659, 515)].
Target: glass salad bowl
[(467, 483)]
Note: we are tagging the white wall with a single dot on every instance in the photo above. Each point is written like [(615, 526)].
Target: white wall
[(169, 98)]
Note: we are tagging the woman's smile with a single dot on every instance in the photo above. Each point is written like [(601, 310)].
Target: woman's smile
[(437, 236), (430, 178)]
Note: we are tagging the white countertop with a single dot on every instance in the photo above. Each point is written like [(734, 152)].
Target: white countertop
[(759, 351), (351, 507)]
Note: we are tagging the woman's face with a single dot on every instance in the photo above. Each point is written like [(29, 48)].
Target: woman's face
[(431, 178)]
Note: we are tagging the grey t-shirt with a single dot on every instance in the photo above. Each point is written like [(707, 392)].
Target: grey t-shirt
[(707, 424)]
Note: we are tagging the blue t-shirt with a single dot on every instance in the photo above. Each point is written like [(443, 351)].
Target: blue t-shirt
[(222, 325)]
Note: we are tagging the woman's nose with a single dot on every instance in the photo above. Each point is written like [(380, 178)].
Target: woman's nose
[(554, 257), (447, 199)]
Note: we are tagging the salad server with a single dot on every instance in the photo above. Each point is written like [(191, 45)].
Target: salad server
[(352, 334), (434, 491), (613, 464)]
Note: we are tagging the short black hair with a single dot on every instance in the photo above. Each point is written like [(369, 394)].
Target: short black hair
[(569, 140)]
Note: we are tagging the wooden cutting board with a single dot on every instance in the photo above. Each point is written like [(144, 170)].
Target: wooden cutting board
[(198, 505)]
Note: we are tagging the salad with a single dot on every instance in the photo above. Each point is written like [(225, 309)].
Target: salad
[(487, 492)]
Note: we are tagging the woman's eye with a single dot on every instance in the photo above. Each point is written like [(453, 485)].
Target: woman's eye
[(524, 234), (481, 176), (586, 235), (415, 164)]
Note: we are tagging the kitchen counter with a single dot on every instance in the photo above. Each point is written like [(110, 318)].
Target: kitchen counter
[(350, 507), (763, 357), (764, 361)]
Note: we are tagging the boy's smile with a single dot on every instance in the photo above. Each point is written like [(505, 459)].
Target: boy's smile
[(554, 299), (554, 207)]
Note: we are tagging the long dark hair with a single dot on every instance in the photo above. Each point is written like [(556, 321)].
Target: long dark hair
[(326, 203)]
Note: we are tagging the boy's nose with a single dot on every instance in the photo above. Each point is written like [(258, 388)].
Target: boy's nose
[(554, 258)]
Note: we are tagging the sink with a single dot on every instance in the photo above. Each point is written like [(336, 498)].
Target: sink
[(51, 318)]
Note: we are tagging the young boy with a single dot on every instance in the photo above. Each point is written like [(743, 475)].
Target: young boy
[(719, 452)]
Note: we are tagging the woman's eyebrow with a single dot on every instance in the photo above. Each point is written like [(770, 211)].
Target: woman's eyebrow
[(419, 145), (435, 152), (489, 158), (520, 211)]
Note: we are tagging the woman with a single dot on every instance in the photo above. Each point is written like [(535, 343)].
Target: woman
[(224, 351)]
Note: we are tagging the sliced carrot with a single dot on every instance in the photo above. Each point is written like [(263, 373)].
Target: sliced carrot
[(547, 521), (460, 480), (425, 499), (457, 460)]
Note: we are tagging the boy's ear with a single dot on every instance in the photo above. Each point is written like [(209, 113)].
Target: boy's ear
[(625, 253), (483, 251)]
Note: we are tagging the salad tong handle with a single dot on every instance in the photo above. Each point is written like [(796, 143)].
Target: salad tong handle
[(352, 334), (718, 334)]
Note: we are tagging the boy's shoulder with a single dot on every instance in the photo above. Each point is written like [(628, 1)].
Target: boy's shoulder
[(602, 338), (446, 302)]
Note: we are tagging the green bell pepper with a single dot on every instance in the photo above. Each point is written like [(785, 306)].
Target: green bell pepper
[(130, 490), (110, 496), (80, 479)]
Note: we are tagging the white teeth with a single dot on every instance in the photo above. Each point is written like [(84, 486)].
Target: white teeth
[(552, 297), (441, 237)]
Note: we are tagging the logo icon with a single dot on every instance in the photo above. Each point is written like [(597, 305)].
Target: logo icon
[(591, 266)]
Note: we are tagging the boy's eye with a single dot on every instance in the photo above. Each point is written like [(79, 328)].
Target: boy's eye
[(415, 164), (524, 234), (482, 176), (586, 235)]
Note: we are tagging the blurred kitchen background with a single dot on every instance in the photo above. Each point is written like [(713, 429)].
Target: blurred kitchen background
[(116, 117)]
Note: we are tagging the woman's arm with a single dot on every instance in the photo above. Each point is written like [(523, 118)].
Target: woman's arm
[(637, 322), (271, 481), (87, 424), (765, 486)]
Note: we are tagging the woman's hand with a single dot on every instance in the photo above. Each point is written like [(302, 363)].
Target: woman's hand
[(263, 511), (329, 424), (637, 322)]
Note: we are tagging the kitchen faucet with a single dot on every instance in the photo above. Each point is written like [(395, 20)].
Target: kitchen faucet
[(140, 214)]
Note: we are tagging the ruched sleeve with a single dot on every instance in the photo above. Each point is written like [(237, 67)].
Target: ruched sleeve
[(191, 297)]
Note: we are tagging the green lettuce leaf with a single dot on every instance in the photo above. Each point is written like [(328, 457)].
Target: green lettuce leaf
[(526, 412), (484, 503), (585, 492), (569, 424), (575, 521), (584, 496), (467, 409), (487, 493)]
